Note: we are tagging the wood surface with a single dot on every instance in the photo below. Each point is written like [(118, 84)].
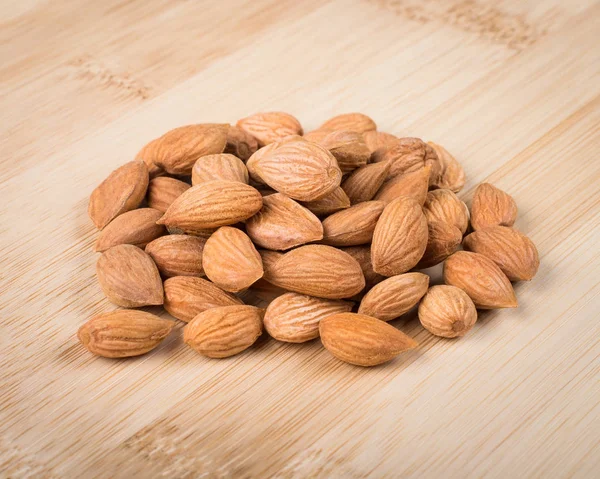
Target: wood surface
[(511, 88)]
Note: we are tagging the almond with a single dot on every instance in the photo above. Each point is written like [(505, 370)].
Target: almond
[(445, 207), (265, 291), (404, 156), (394, 296), (212, 204), (452, 174), (162, 191), (270, 127), (225, 331), (348, 148), (447, 311), (317, 270), (269, 258), (512, 251), (198, 233), (123, 333), (413, 184), (431, 159), (222, 166), (335, 201), (353, 226), (400, 237), (317, 136), (362, 254), (362, 340), (136, 227), (177, 255), (231, 260), (129, 277), (282, 224), (188, 296), (364, 182), (294, 318), (481, 279), (492, 207), (122, 191), (300, 169), (349, 121), (239, 143), (379, 141), (443, 239), (146, 154)]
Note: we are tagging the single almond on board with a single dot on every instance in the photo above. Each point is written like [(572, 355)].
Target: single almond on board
[(136, 227), (413, 184), (492, 207), (225, 331), (230, 259), (222, 166), (123, 190), (447, 311), (188, 296), (481, 279), (362, 340), (348, 148), (212, 204), (400, 237), (146, 154), (282, 224), (349, 121), (294, 318), (379, 141), (445, 207), (512, 251), (353, 226), (129, 277), (177, 255), (364, 183), (162, 191), (270, 127), (452, 174), (394, 296), (123, 333), (362, 254), (317, 270), (299, 169), (240, 143), (443, 239)]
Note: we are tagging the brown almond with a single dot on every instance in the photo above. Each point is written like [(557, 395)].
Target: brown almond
[(177, 255), (443, 239), (356, 122), (317, 136), (362, 254), (353, 226), (225, 331), (222, 166), (335, 201), (136, 227), (364, 182), (413, 184), (348, 148), (241, 144), (400, 237), (512, 251), (269, 258), (129, 277), (404, 156), (447, 311), (282, 224), (122, 191), (492, 207), (452, 174), (198, 233), (146, 154), (265, 291), (394, 296), (270, 127), (162, 191), (123, 333), (481, 279), (445, 207), (362, 340), (188, 296), (379, 141)]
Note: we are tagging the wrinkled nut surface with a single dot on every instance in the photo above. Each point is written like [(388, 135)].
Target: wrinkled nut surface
[(364, 183), (353, 226), (413, 184), (348, 148), (136, 227), (445, 207), (492, 207), (452, 174), (270, 127), (177, 255), (163, 190), (447, 311), (240, 143), (356, 122), (222, 166), (443, 239), (335, 201)]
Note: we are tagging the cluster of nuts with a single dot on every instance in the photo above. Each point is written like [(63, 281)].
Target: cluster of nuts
[(328, 228)]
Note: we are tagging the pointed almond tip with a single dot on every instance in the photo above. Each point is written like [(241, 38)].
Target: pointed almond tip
[(162, 220)]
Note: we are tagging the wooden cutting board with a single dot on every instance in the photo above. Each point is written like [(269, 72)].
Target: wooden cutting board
[(510, 87)]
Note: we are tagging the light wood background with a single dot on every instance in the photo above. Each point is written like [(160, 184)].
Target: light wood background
[(511, 87)]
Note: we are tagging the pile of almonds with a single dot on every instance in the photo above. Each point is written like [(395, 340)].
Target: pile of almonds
[(326, 228)]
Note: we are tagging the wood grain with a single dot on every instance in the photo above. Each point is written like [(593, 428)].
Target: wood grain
[(511, 88)]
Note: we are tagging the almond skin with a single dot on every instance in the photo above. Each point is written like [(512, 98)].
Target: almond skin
[(362, 254), (225, 331), (481, 279), (177, 255), (146, 154), (445, 207), (348, 148), (222, 166), (404, 156), (294, 318), (270, 127), (452, 174), (413, 184), (282, 224), (123, 190), (162, 191), (317, 136), (187, 296), (356, 122), (265, 291), (447, 311), (512, 251), (362, 340), (379, 141), (492, 207), (400, 237), (317, 270), (269, 259), (241, 144), (212, 204), (394, 296), (364, 183), (230, 260), (353, 226), (335, 201), (129, 277), (443, 239), (123, 333), (136, 227)]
